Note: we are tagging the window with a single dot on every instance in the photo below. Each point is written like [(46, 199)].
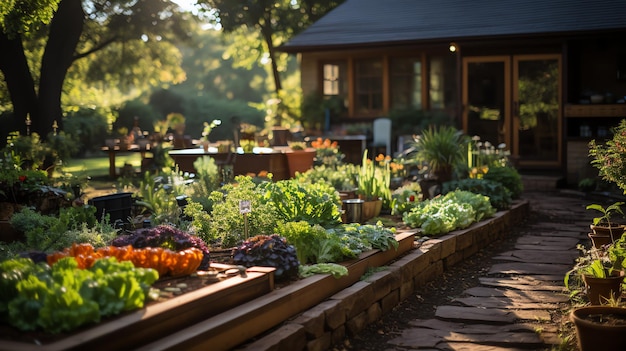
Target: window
[(334, 79), (442, 82), (368, 86), (406, 83)]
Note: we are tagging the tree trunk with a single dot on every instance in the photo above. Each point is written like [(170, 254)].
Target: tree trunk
[(19, 82), (267, 36), (65, 31)]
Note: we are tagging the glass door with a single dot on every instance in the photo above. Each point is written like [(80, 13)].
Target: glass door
[(537, 109), (515, 100), (486, 98)]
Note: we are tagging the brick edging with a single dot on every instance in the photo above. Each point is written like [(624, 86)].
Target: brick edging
[(350, 310)]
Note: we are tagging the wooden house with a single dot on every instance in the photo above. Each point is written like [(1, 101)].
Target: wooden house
[(543, 77)]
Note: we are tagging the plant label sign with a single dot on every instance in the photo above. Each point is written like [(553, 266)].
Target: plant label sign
[(245, 206)]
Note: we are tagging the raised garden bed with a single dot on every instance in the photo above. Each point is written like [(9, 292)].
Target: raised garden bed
[(157, 319), (229, 329)]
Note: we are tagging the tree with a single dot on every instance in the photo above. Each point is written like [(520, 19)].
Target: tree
[(274, 21), (123, 42)]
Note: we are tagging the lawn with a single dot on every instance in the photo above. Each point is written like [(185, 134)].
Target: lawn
[(96, 169)]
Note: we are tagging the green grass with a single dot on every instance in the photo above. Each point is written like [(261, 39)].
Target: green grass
[(96, 167)]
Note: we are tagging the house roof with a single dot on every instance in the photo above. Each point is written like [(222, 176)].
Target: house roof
[(377, 22)]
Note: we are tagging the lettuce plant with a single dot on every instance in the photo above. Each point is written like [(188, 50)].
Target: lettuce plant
[(268, 251)]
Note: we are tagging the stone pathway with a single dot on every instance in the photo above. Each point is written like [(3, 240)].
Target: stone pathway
[(512, 307)]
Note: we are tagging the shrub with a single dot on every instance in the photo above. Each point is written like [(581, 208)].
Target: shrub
[(507, 176)]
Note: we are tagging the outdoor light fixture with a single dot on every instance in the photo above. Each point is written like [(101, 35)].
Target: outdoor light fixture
[(453, 47)]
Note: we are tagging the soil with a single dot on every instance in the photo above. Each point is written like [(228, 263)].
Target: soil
[(608, 319)]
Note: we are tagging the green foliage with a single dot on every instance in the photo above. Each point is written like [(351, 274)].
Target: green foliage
[(315, 203), (72, 225), (207, 179), (314, 244), (343, 177), (441, 148), (18, 17), (64, 298), (374, 180), (455, 210), (89, 127), (405, 198), (158, 195), (507, 176), (610, 157), (499, 196), (268, 251), (335, 269), (607, 212), (227, 223)]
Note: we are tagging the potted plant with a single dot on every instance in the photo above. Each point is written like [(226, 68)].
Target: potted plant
[(608, 157), (441, 149), (603, 230), (599, 272), (600, 327), (373, 186)]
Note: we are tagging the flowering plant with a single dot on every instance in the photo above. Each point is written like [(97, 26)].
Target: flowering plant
[(610, 158), (374, 180), (208, 127), (327, 152)]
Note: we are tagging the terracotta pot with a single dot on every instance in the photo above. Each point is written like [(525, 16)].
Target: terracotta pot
[(615, 230), (299, 161), (593, 335), (371, 209), (599, 240), (601, 290)]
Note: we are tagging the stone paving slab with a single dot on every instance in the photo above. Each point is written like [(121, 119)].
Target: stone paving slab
[(494, 302), (538, 296), (510, 308), (421, 337), (534, 256), (529, 268), (492, 315), (520, 283), (560, 241)]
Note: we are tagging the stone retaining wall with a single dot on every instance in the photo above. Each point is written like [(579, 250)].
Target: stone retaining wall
[(349, 311)]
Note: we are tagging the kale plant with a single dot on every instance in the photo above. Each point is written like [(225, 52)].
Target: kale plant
[(268, 251)]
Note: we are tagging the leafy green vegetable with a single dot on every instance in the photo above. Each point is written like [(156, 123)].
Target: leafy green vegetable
[(336, 270), (455, 210), (314, 244), (65, 297), (316, 203)]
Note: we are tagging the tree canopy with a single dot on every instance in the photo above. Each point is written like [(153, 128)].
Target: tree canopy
[(273, 22), (125, 45)]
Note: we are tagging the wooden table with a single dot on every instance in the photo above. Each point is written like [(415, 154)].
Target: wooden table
[(113, 151), (263, 159)]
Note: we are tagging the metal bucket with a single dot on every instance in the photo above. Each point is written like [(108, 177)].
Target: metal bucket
[(354, 210)]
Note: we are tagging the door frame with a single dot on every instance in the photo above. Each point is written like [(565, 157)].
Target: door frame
[(516, 120), (507, 91), (511, 92)]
